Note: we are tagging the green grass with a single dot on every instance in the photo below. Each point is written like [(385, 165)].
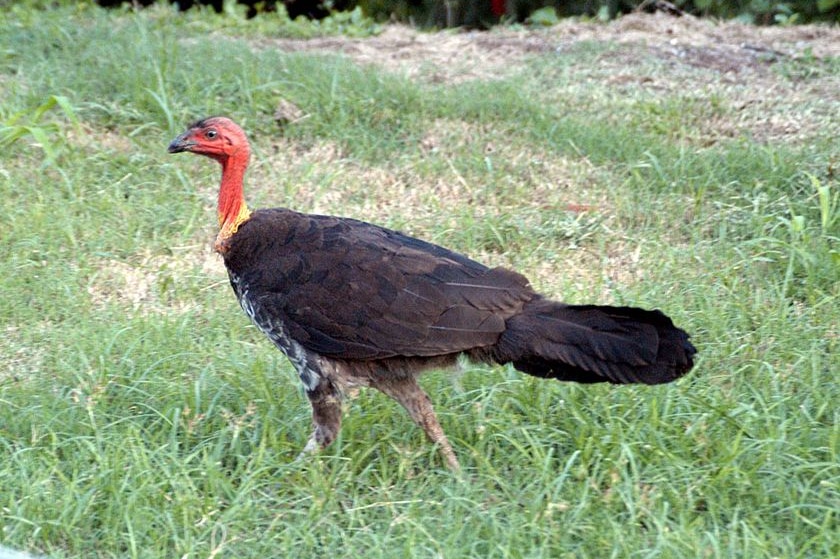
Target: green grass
[(142, 416)]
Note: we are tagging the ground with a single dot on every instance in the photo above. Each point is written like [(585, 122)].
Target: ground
[(736, 57), (452, 56)]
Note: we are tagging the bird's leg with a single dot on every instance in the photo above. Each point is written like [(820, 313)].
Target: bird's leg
[(419, 406), (326, 416)]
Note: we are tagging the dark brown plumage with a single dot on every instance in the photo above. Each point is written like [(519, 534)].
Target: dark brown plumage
[(354, 304)]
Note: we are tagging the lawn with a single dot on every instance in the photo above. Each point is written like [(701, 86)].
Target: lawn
[(675, 164)]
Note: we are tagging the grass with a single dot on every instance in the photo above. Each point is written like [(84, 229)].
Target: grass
[(141, 416)]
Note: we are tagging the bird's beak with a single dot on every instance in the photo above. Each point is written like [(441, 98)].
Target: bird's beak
[(182, 143)]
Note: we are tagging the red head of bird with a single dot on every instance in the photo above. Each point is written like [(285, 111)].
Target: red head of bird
[(217, 137), (221, 139)]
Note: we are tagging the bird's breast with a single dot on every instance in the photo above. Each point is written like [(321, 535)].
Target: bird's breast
[(276, 330)]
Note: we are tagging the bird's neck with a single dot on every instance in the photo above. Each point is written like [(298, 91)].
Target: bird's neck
[(232, 209)]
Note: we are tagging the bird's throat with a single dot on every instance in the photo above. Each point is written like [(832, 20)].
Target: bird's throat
[(229, 226), (232, 210)]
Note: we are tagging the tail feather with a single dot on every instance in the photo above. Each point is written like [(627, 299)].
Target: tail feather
[(589, 343)]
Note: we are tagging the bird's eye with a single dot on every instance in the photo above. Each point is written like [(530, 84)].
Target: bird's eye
[(210, 134)]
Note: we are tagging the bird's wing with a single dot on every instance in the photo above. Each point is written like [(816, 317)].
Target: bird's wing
[(351, 290)]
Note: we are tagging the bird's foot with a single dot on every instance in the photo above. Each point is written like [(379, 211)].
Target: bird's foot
[(311, 448)]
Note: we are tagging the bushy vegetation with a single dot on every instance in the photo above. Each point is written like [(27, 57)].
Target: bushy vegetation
[(142, 416)]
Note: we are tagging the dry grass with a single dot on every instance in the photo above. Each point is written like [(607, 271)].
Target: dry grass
[(149, 283), (453, 57), (20, 358), (444, 57), (695, 58)]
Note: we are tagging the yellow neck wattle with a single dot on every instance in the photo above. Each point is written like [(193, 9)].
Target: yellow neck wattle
[(229, 226)]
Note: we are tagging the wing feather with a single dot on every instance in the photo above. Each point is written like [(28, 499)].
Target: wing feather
[(352, 290)]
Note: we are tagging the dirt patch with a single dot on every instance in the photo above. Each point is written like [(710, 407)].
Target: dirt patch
[(430, 186), (21, 358), (445, 56), (661, 29), (772, 83), (452, 56), (150, 284)]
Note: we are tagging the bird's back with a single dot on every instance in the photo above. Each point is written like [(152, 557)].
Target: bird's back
[(347, 289)]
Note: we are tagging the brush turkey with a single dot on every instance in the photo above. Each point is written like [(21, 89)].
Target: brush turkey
[(354, 304)]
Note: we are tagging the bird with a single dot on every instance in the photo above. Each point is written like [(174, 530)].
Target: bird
[(352, 304)]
